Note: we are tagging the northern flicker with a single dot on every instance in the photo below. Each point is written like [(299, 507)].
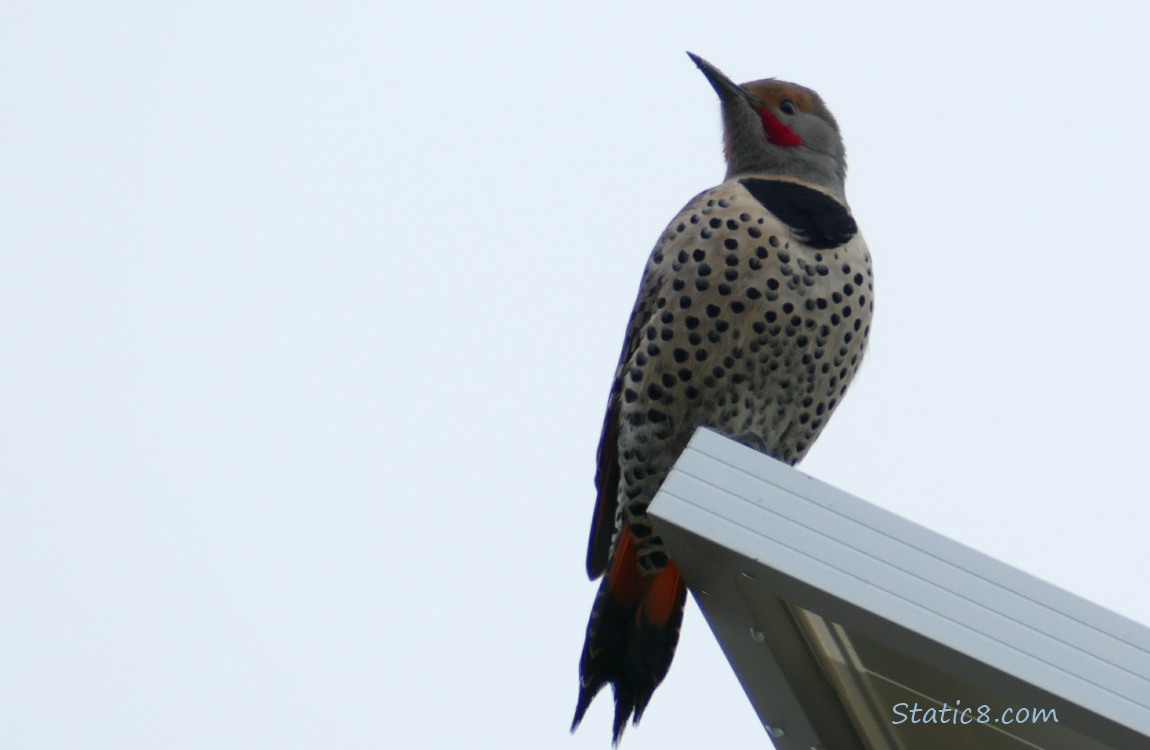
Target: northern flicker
[(752, 318)]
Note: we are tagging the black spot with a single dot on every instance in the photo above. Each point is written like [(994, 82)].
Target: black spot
[(684, 302), (713, 337), (706, 233), (732, 260), (784, 257), (666, 334), (694, 339), (737, 306), (655, 415), (682, 258), (685, 374), (731, 244), (773, 241), (667, 316), (724, 289), (655, 391), (771, 316), (754, 232), (715, 222), (753, 293), (772, 283), (732, 225), (713, 311), (730, 274), (692, 392), (704, 269), (788, 308), (702, 285), (691, 322), (701, 354), (678, 285), (653, 350), (680, 355), (629, 395), (698, 255), (744, 216), (668, 380), (721, 326)]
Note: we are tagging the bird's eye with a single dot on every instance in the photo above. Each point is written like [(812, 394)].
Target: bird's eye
[(787, 107)]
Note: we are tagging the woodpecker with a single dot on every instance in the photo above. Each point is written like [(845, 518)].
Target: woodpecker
[(752, 318)]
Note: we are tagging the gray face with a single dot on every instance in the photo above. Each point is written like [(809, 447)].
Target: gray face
[(779, 128)]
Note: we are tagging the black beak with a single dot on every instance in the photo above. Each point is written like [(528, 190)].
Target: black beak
[(728, 90)]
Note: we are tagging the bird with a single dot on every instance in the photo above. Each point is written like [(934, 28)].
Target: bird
[(752, 317)]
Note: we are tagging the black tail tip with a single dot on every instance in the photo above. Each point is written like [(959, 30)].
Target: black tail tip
[(586, 695), (626, 708)]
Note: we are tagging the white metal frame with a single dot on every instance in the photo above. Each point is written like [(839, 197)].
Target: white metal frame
[(756, 539)]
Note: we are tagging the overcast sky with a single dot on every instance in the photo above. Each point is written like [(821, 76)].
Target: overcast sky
[(309, 311)]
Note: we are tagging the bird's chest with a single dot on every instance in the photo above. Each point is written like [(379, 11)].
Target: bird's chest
[(759, 333)]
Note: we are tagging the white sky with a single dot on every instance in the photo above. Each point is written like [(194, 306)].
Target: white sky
[(308, 315)]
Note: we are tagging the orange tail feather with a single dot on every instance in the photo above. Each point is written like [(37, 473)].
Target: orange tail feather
[(632, 634)]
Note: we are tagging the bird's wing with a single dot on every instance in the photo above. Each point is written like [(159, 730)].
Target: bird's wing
[(603, 523)]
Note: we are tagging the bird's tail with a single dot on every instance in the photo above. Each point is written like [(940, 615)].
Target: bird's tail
[(631, 635)]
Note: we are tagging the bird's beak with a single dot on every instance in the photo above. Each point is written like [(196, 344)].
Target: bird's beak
[(728, 91)]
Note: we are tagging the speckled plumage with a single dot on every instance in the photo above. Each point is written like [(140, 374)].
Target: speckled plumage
[(738, 326), (752, 318)]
